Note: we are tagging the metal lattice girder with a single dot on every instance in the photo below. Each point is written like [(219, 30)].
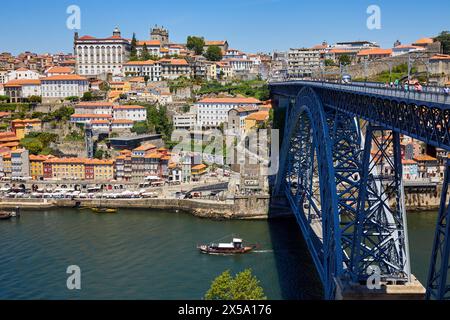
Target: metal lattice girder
[(381, 237), (347, 159), (308, 180), (438, 279)]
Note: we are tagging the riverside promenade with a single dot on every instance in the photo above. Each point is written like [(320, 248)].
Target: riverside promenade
[(240, 208)]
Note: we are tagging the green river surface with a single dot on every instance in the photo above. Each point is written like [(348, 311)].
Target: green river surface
[(142, 254)]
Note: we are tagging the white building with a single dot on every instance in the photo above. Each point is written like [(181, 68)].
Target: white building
[(184, 121), (19, 90), (134, 113), (302, 62), (121, 124), (153, 47), (88, 118), (405, 49), (101, 56), (151, 69), (174, 68), (58, 71), (94, 108), (22, 74), (240, 65), (212, 112), (60, 87), (20, 164)]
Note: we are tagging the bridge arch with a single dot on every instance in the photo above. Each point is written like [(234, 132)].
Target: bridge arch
[(309, 178)]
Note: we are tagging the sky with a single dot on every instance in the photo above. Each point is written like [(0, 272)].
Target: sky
[(249, 25)]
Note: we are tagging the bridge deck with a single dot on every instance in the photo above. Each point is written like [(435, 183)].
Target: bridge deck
[(433, 95)]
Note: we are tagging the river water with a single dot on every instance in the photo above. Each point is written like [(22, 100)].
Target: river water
[(152, 255)]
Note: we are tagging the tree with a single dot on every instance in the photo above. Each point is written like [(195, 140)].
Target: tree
[(244, 286), (345, 60), (87, 96), (35, 99), (99, 154), (33, 145), (146, 79), (140, 128), (214, 53), (329, 63), (195, 44), (73, 99), (444, 39), (145, 55), (4, 98), (133, 50)]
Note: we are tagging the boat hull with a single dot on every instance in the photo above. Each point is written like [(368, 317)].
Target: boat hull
[(224, 252)]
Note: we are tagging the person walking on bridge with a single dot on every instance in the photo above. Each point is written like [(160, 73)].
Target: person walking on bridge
[(396, 83)]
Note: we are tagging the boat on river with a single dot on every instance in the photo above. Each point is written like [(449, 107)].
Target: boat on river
[(6, 215), (233, 248), (104, 210)]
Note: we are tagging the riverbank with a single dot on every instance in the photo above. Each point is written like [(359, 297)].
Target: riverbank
[(241, 208)]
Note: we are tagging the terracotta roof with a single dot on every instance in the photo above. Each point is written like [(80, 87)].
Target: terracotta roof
[(152, 43), (199, 167), (99, 116), (375, 52), (23, 69), (178, 62), (424, 157), (259, 116), (10, 144), (122, 121), (424, 41), (231, 100), (33, 157), (140, 63), (94, 104), (408, 161), (66, 70), (131, 107), (153, 155), (440, 57), (65, 77), (99, 122), (145, 147), (22, 82)]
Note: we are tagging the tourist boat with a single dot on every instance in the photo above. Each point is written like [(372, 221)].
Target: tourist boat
[(235, 247), (104, 210), (4, 215)]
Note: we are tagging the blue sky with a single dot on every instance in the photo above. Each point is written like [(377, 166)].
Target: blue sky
[(249, 25)]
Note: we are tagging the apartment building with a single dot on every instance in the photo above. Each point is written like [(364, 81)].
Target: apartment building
[(150, 69), (56, 88), (302, 62), (101, 56), (212, 112)]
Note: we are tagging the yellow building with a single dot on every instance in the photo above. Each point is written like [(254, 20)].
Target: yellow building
[(256, 119), (120, 86), (37, 166), (25, 126), (199, 170), (6, 167), (103, 170), (64, 169)]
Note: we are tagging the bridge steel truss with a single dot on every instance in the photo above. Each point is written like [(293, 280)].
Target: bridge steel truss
[(341, 171)]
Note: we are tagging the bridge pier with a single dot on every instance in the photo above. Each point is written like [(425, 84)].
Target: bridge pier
[(348, 290)]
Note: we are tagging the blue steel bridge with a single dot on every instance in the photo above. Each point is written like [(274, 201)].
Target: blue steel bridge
[(341, 173)]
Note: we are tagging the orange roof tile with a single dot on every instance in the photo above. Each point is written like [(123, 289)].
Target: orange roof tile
[(22, 82), (152, 43), (259, 116), (94, 104), (424, 41), (99, 116), (130, 107), (424, 158), (145, 147), (375, 52), (231, 100), (199, 167), (66, 70), (71, 77)]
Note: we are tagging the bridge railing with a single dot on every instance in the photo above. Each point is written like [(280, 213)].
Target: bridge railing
[(427, 94)]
